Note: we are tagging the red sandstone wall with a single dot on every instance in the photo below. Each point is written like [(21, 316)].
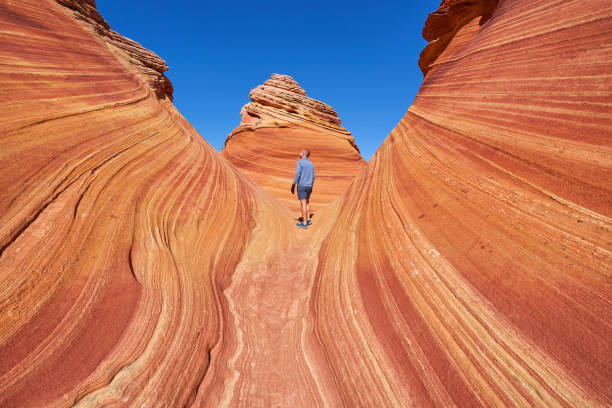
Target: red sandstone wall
[(112, 258), (467, 265), (475, 264)]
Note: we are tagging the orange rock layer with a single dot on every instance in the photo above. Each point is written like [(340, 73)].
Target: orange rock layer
[(469, 264), (281, 121), (149, 64), (113, 258), (442, 25)]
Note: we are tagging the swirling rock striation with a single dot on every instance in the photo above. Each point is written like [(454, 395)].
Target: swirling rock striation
[(279, 122), (468, 264), (113, 261), (442, 25), (471, 261), (148, 63)]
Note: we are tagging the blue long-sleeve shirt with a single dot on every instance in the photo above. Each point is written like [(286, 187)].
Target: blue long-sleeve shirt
[(304, 173)]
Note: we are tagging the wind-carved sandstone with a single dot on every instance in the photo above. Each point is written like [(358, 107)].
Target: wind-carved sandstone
[(468, 263), (148, 64), (281, 121), (473, 254)]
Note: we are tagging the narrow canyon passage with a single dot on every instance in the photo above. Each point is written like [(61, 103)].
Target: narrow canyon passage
[(269, 356), (467, 263)]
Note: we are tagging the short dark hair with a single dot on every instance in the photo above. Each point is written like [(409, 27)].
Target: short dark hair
[(307, 152)]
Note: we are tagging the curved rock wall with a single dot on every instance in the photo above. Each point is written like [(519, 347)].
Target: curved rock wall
[(133, 55), (113, 257), (474, 268), (442, 26), (469, 264)]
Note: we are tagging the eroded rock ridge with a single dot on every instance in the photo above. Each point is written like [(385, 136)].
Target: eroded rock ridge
[(282, 120), (147, 62)]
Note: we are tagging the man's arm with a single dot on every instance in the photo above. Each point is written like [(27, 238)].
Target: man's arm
[(298, 172), (313, 175)]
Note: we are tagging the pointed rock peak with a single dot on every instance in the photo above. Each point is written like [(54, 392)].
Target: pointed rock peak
[(285, 82), (281, 103), (282, 94)]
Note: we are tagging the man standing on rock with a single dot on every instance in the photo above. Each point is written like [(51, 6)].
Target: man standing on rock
[(304, 178)]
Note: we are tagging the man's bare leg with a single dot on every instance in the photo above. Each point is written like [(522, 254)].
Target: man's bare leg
[(308, 208), (304, 203)]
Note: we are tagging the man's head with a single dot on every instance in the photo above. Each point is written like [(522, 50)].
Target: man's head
[(305, 153)]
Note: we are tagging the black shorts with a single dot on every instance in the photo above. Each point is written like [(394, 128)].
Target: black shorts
[(304, 192)]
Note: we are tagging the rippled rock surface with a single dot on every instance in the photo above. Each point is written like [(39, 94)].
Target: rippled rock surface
[(477, 271), (119, 225), (468, 264)]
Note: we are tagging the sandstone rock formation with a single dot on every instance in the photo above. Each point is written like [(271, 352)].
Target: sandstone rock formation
[(149, 64), (279, 122), (442, 25), (478, 270), (113, 255), (468, 265)]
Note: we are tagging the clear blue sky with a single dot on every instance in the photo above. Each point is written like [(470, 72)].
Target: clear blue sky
[(359, 57)]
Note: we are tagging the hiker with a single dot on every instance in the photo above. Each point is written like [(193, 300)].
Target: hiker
[(304, 178)]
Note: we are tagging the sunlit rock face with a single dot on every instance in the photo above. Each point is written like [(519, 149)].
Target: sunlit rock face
[(281, 121), (149, 65), (443, 24), (113, 260), (468, 264), (477, 271)]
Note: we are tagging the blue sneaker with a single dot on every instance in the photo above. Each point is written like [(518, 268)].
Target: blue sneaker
[(301, 225), (308, 222)]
